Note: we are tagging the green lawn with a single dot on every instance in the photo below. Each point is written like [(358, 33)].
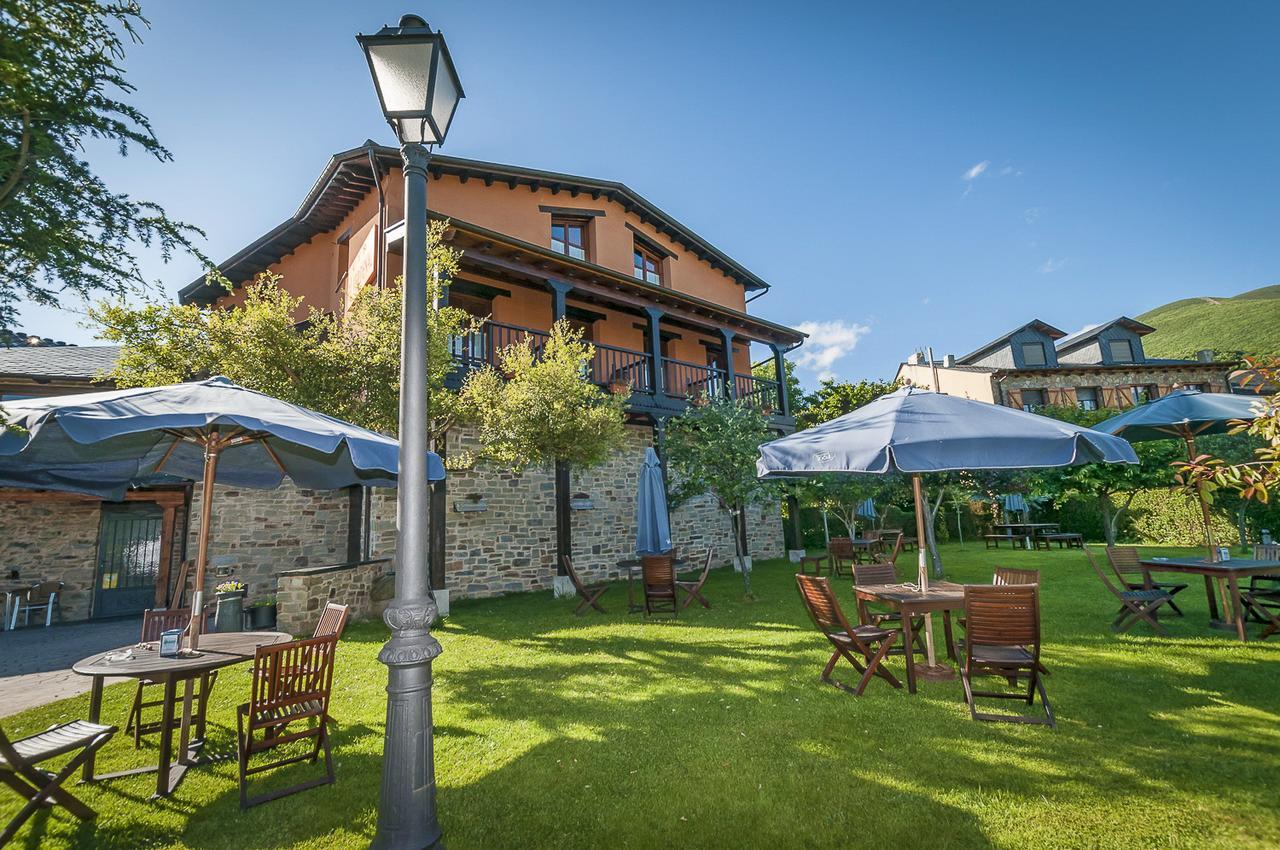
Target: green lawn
[(713, 731)]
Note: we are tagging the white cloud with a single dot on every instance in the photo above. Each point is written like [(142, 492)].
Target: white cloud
[(1051, 265), (1032, 214), (976, 171), (827, 343), (1010, 171)]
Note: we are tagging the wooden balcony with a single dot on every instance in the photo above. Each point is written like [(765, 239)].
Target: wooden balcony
[(682, 382)]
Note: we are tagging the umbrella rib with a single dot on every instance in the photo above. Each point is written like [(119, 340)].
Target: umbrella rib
[(272, 454), (167, 453)]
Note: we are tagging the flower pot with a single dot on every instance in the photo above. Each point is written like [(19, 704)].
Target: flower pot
[(229, 616), (262, 618)]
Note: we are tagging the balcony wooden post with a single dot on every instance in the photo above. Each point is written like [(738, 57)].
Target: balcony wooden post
[(656, 376), (731, 377), (780, 370), (559, 289)]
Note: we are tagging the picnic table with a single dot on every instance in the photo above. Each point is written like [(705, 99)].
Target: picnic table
[(1226, 573), (216, 651), (910, 601), (1026, 530), (631, 565)]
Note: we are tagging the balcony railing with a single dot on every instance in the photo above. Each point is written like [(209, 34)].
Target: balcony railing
[(614, 365)]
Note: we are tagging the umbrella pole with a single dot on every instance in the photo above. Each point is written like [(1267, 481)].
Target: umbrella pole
[(211, 447), (1208, 529), (933, 670)]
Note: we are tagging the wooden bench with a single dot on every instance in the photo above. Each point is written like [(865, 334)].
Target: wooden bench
[(1064, 539), (993, 540)]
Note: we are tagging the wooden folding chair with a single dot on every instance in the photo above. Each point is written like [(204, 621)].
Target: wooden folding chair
[(658, 578), (178, 592), (156, 621), (333, 620), (851, 642), (1004, 640), (866, 574), (1010, 575), (290, 689), (892, 557), (590, 595), (1127, 564), (40, 788), (1262, 597), (693, 589), (839, 552), (1135, 605)]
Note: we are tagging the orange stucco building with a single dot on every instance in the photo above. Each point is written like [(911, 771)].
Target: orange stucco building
[(666, 310)]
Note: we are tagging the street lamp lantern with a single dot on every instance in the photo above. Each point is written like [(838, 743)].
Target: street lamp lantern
[(419, 91), (417, 84)]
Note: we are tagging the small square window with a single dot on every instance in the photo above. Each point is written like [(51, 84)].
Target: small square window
[(569, 237), (646, 266), (1121, 350), (1087, 398), (1033, 354), (1032, 399)]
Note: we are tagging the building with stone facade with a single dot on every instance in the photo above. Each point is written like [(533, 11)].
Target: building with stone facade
[(666, 311), (1102, 366)]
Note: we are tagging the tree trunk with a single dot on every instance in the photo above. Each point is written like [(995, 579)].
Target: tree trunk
[(797, 533), (564, 524), (1110, 518), (436, 527), (931, 534), (1241, 525), (736, 518)]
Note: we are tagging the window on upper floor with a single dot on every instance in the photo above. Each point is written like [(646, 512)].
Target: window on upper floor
[(1033, 354), (1032, 399), (1087, 398), (646, 265), (569, 237), (1121, 350)]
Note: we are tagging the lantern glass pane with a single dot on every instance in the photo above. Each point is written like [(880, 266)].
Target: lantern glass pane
[(402, 70), (414, 130), (445, 97)]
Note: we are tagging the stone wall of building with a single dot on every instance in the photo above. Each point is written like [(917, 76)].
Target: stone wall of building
[(257, 534), (53, 540), (301, 594), (1060, 384)]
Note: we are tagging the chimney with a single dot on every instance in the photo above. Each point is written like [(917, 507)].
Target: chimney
[(949, 361), (917, 359), (1205, 355)]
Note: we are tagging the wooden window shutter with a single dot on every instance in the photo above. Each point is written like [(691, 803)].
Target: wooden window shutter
[(1015, 398), (1061, 396)]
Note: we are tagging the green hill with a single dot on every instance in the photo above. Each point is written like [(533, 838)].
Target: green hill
[(1249, 322)]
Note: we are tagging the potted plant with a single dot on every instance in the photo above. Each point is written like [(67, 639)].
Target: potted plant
[(262, 614), (229, 616)]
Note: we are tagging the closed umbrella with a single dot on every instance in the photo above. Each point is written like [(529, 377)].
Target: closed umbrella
[(913, 431), (1014, 503), (212, 431), (653, 522), (867, 510), (1184, 415)]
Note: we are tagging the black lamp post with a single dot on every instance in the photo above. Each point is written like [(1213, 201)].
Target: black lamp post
[(419, 91)]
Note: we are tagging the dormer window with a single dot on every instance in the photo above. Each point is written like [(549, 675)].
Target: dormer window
[(569, 237), (1033, 354), (1121, 350), (646, 266)]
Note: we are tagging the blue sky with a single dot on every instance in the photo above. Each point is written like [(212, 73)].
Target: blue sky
[(904, 174)]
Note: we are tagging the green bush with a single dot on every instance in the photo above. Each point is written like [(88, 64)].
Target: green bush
[(1173, 519)]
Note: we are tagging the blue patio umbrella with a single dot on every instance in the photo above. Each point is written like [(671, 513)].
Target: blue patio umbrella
[(1185, 415), (213, 431), (867, 510), (913, 431), (653, 522), (1014, 503)]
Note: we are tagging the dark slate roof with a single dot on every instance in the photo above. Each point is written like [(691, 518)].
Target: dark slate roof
[(1080, 337), (349, 176), (65, 362), (1035, 324)]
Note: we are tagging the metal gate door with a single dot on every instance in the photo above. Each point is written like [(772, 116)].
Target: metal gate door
[(128, 559)]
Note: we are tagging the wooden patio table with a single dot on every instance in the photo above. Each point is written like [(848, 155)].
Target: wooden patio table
[(943, 596), (1228, 571), (216, 650), (631, 565), (1028, 530)]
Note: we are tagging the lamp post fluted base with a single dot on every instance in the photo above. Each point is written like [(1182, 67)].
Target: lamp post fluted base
[(407, 810)]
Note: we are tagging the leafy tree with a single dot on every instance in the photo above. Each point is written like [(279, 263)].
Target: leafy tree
[(61, 228), (1113, 485), (836, 398), (348, 369), (537, 408), (712, 448), (766, 371)]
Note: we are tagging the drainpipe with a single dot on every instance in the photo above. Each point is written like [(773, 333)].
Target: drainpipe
[(380, 278)]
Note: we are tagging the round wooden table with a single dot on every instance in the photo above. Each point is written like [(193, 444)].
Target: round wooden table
[(216, 651)]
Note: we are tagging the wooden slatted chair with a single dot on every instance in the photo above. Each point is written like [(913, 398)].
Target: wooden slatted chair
[(155, 621), (1262, 596), (852, 643), (1127, 564), (1004, 640), (840, 551), (693, 589), (1010, 575), (658, 577), (288, 703), (40, 788), (590, 595), (333, 620), (891, 557), (867, 574), (1135, 605)]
